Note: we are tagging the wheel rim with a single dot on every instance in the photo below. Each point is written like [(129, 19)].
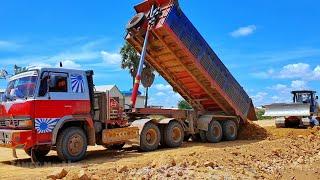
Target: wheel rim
[(176, 134), (75, 144), (151, 136), (216, 131), (232, 130)]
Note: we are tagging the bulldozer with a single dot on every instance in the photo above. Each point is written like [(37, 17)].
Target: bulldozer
[(302, 112)]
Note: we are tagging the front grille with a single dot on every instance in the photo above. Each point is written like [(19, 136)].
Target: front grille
[(9, 123)]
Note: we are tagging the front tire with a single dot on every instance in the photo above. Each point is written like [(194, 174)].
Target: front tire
[(173, 134), (150, 137), (72, 144)]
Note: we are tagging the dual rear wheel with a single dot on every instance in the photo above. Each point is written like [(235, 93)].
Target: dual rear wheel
[(217, 131), (170, 135)]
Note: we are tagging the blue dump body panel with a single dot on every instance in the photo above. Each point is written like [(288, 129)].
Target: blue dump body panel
[(183, 57)]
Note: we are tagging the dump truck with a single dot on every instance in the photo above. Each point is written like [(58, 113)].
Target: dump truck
[(303, 110), (58, 108), (169, 42)]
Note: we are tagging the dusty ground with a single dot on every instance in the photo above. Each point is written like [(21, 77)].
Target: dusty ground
[(261, 153)]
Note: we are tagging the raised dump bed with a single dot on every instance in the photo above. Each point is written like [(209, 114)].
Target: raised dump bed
[(181, 55)]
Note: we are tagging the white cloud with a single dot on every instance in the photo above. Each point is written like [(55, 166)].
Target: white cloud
[(295, 70), (316, 73), (111, 58), (160, 94), (163, 87), (259, 98), (264, 74), (299, 85), (300, 71), (40, 64), (8, 45), (243, 31), (69, 64)]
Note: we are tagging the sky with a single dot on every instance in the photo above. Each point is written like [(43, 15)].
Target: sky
[(271, 47)]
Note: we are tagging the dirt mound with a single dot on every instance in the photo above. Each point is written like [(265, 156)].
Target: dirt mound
[(251, 131), (292, 133)]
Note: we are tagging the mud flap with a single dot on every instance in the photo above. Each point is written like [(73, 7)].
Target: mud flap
[(14, 153)]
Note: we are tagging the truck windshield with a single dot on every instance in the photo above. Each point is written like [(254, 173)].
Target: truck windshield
[(304, 98), (21, 86)]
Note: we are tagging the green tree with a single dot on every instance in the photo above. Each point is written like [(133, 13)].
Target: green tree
[(130, 61), (260, 113), (183, 104)]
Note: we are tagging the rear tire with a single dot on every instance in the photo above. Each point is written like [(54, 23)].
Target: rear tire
[(72, 144), (150, 137), (203, 136), (230, 130), (214, 133), (173, 134)]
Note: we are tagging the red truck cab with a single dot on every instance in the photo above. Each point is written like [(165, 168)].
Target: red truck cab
[(38, 102)]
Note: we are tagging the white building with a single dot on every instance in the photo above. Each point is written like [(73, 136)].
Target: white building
[(127, 99), (113, 91)]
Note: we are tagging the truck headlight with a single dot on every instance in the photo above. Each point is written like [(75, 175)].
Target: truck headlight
[(25, 124)]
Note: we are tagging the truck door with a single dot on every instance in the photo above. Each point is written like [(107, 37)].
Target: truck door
[(53, 100)]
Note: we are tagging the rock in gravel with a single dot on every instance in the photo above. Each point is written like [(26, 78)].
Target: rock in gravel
[(194, 163), (311, 137), (180, 173), (173, 162), (83, 175), (123, 169), (184, 164), (209, 164), (59, 174), (95, 177)]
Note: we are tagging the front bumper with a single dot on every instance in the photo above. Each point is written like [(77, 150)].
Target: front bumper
[(15, 138)]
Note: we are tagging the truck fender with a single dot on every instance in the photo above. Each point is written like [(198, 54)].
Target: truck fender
[(204, 121), (90, 131), (141, 122), (166, 120)]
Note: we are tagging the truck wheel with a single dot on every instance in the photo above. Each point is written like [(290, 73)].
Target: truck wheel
[(150, 137), (136, 21), (230, 130), (173, 134), (203, 136), (114, 146), (214, 133), (72, 144), (39, 152)]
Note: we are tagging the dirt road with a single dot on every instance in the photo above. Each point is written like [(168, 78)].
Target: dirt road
[(261, 153)]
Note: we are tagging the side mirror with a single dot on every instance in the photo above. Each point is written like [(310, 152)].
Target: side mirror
[(317, 97)]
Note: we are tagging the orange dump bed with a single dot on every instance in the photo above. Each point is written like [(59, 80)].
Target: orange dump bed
[(180, 55)]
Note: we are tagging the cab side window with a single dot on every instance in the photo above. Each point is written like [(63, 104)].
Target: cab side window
[(60, 85)]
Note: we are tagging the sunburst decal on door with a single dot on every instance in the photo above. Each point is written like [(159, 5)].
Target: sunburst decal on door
[(45, 125), (77, 83)]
